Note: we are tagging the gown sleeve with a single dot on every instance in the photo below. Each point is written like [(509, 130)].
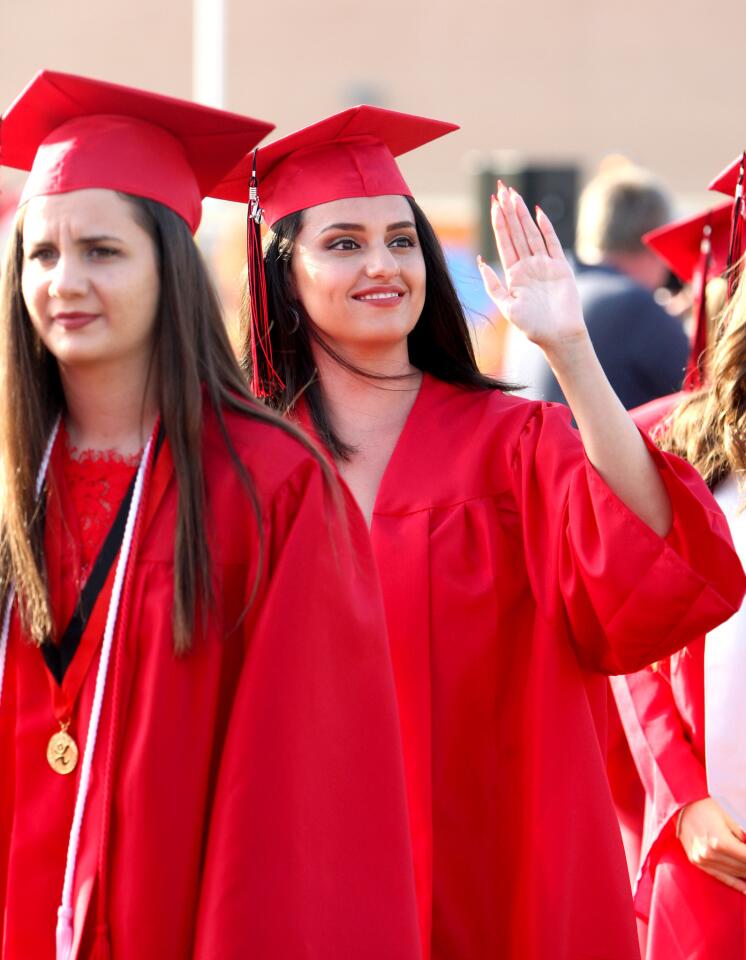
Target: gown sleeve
[(628, 596), (308, 854), (671, 772)]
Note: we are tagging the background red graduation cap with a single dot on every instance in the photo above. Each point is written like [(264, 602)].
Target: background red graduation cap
[(731, 181), (74, 133), (350, 154), (696, 250)]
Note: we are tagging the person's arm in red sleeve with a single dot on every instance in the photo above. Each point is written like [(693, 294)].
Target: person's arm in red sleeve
[(671, 772), (674, 777), (628, 542), (630, 596), (309, 852)]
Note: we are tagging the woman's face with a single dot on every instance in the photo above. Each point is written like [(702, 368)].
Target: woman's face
[(358, 270), (90, 278)]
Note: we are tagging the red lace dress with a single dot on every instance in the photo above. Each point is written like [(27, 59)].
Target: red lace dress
[(92, 485)]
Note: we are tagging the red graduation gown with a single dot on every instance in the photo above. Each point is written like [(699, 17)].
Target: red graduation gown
[(248, 798), (513, 579), (653, 414), (689, 915)]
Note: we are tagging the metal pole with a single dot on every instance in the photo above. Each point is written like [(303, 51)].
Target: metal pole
[(208, 51)]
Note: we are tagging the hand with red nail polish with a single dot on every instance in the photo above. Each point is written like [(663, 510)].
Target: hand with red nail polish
[(538, 294)]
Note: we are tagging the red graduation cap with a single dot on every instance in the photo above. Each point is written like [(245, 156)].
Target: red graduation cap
[(727, 180), (731, 181), (75, 133), (679, 243), (350, 154), (696, 249)]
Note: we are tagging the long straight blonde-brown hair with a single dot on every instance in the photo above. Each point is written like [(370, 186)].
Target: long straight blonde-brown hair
[(708, 428), (192, 353)]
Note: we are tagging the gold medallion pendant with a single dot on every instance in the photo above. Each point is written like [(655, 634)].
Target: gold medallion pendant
[(62, 751)]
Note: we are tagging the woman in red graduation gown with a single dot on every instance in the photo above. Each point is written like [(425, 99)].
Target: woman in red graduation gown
[(520, 560), (683, 715), (198, 733), (695, 249)]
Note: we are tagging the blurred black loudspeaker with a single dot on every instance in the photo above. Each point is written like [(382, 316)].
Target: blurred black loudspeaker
[(553, 188)]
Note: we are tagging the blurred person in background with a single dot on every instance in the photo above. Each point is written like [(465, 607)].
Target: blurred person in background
[(520, 560), (642, 348)]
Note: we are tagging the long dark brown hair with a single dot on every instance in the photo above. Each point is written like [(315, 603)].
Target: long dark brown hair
[(439, 344), (192, 352), (708, 428)]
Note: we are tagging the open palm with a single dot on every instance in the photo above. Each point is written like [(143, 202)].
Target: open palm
[(538, 295)]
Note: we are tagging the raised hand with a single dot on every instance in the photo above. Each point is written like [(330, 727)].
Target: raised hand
[(539, 295)]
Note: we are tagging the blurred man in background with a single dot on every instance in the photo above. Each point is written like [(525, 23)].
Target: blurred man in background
[(642, 348)]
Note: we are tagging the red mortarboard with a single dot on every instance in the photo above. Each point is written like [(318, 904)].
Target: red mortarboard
[(727, 180), (679, 243), (348, 155), (696, 249), (730, 181), (74, 133)]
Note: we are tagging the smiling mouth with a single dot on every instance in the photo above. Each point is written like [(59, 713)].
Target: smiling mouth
[(380, 296)]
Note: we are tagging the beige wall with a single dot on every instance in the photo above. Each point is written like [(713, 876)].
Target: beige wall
[(573, 79)]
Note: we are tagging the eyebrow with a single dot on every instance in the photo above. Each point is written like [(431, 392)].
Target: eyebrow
[(401, 225), (82, 241), (99, 239)]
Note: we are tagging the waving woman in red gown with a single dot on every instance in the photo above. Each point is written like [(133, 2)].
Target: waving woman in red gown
[(520, 559), (199, 743)]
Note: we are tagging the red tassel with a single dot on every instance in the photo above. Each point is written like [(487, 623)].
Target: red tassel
[(265, 380), (695, 369), (735, 249)]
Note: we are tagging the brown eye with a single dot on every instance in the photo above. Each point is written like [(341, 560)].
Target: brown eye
[(43, 254), (402, 241), (344, 243)]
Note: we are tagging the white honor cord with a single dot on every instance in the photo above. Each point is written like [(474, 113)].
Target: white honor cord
[(11, 592), (65, 912)]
